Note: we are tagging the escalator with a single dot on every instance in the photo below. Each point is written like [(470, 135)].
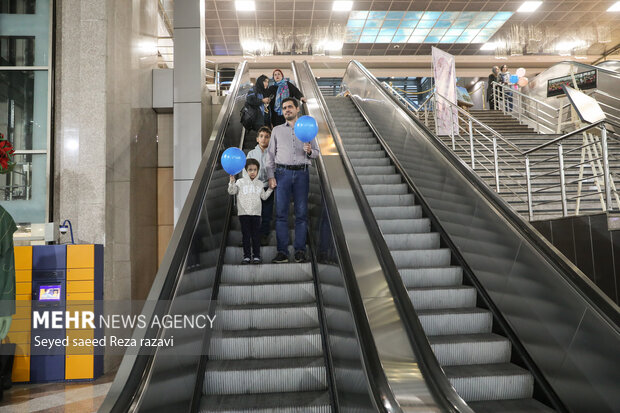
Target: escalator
[(514, 325), (311, 337), (475, 359), (269, 354)]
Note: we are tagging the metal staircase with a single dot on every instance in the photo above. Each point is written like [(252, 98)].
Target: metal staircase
[(475, 359)]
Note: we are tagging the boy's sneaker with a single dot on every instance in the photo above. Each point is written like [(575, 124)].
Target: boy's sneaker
[(300, 256), (257, 260), (246, 261), (280, 258)]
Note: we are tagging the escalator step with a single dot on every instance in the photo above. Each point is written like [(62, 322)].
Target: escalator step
[(267, 316), (464, 349), (298, 374), (403, 226), (311, 402), (438, 257), (491, 381), (267, 293), (234, 255), (267, 273), (431, 277), (400, 242), (396, 200), (375, 170), (429, 298), (383, 189), (379, 179), (510, 406), (261, 344), (366, 154), (455, 321), (357, 163)]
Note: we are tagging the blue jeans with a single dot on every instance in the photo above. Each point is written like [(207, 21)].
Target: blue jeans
[(295, 184), (266, 215)]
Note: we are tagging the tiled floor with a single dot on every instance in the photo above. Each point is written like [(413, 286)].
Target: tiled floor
[(81, 397)]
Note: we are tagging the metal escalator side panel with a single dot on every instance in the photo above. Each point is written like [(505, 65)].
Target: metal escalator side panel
[(186, 275), (538, 296)]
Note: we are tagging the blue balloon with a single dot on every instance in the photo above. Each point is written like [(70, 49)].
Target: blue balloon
[(233, 160), (514, 78), (306, 128)]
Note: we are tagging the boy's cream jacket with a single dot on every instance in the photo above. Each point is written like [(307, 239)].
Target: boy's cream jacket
[(249, 194)]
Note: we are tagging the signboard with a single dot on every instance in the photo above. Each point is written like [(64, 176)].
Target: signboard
[(445, 85), (585, 80)]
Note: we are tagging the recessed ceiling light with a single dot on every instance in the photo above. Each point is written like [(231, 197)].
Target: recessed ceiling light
[(529, 6), (489, 46), (245, 5), (614, 7), (342, 6)]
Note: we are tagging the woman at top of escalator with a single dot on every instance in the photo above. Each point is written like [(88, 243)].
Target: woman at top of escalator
[(258, 99), (280, 90)]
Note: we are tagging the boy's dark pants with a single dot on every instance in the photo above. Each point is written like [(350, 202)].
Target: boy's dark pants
[(266, 215), (250, 229)]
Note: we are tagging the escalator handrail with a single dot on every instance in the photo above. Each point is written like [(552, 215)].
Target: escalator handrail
[(598, 301), (443, 392), (134, 369), (381, 392)]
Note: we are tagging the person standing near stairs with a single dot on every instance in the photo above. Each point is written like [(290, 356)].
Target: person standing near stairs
[(250, 191), (287, 161), (493, 78), (504, 77)]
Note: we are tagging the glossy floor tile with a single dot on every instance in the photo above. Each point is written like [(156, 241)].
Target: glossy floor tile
[(82, 397)]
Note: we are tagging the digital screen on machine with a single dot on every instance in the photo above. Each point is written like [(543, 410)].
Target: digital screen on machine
[(50, 292)]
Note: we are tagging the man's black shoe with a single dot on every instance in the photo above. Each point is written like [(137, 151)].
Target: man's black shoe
[(280, 258), (300, 256)]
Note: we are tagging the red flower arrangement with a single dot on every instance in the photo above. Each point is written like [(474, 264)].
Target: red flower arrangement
[(6, 155)]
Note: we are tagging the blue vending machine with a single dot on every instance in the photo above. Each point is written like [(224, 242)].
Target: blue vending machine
[(48, 294)]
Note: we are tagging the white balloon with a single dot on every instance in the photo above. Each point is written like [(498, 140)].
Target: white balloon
[(520, 72)]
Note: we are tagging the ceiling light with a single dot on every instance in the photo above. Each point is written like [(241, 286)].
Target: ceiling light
[(342, 6), (529, 6), (614, 7), (245, 5), (490, 46), (331, 45)]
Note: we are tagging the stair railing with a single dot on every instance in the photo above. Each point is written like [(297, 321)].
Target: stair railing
[(541, 116), (587, 173)]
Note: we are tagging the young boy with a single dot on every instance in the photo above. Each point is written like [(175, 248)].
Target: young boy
[(259, 153), (250, 191)]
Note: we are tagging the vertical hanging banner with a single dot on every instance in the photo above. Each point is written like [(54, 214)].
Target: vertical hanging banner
[(444, 73)]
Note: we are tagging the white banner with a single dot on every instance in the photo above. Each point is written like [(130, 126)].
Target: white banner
[(444, 73)]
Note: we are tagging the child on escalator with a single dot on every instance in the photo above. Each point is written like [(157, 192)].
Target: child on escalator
[(250, 191)]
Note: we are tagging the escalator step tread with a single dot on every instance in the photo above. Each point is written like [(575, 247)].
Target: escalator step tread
[(268, 402), (266, 273), (485, 370), (264, 364), (510, 406), (274, 306), (270, 332)]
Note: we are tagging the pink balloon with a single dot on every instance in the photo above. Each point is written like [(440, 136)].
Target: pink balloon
[(522, 81), (520, 72)]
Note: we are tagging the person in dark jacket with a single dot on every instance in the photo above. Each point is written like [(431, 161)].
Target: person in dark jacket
[(493, 77), (280, 90), (259, 100)]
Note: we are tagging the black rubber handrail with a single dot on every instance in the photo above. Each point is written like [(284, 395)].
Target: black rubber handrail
[(133, 373), (443, 392), (602, 304), (380, 389)]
